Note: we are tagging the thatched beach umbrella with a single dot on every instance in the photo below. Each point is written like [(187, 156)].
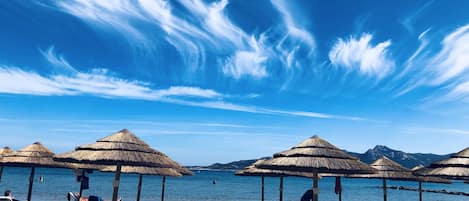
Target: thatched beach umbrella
[(316, 156), (119, 149), (164, 172), (388, 169), (456, 167), (427, 179), (252, 170), (4, 151), (34, 155)]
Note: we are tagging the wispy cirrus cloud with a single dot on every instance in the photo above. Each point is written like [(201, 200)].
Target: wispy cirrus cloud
[(453, 59), (199, 28), (102, 83), (297, 42), (99, 83), (361, 55), (444, 131), (446, 68)]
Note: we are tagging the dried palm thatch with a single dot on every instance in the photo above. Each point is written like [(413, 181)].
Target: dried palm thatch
[(34, 155), (388, 169), (122, 148), (145, 170), (119, 149), (456, 167), (429, 179), (316, 155), (5, 150), (252, 170)]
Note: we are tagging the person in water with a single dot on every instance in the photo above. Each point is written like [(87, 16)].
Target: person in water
[(307, 196)]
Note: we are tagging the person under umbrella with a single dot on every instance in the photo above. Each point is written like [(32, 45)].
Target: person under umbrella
[(122, 148), (316, 156)]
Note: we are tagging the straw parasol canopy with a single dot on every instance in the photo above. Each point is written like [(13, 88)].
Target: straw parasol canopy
[(388, 169), (34, 155), (5, 150), (122, 148), (145, 171), (315, 155), (252, 170), (456, 167), (429, 179)]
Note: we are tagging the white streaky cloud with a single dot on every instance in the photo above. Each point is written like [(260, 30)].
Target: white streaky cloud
[(444, 131), (199, 28), (108, 14), (360, 54), (453, 59), (290, 24), (447, 68), (459, 92), (261, 110), (57, 60), (188, 39), (188, 91), (97, 82), (247, 63), (16, 81), (297, 43), (248, 53)]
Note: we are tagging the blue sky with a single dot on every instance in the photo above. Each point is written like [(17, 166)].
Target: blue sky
[(216, 81)]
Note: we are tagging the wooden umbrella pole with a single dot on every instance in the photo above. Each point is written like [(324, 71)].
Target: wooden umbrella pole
[(385, 190), (115, 193), (262, 188), (316, 187), (81, 184), (139, 190), (162, 188), (420, 190), (31, 181), (281, 189)]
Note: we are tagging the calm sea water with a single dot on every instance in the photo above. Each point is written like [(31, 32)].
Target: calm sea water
[(200, 188)]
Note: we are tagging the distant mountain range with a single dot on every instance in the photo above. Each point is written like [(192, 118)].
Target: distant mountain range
[(408, 160)]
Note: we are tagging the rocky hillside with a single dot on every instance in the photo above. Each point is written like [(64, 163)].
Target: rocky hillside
[(408, 160)]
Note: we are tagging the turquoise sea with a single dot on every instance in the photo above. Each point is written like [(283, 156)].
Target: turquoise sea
[(57, 182)]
